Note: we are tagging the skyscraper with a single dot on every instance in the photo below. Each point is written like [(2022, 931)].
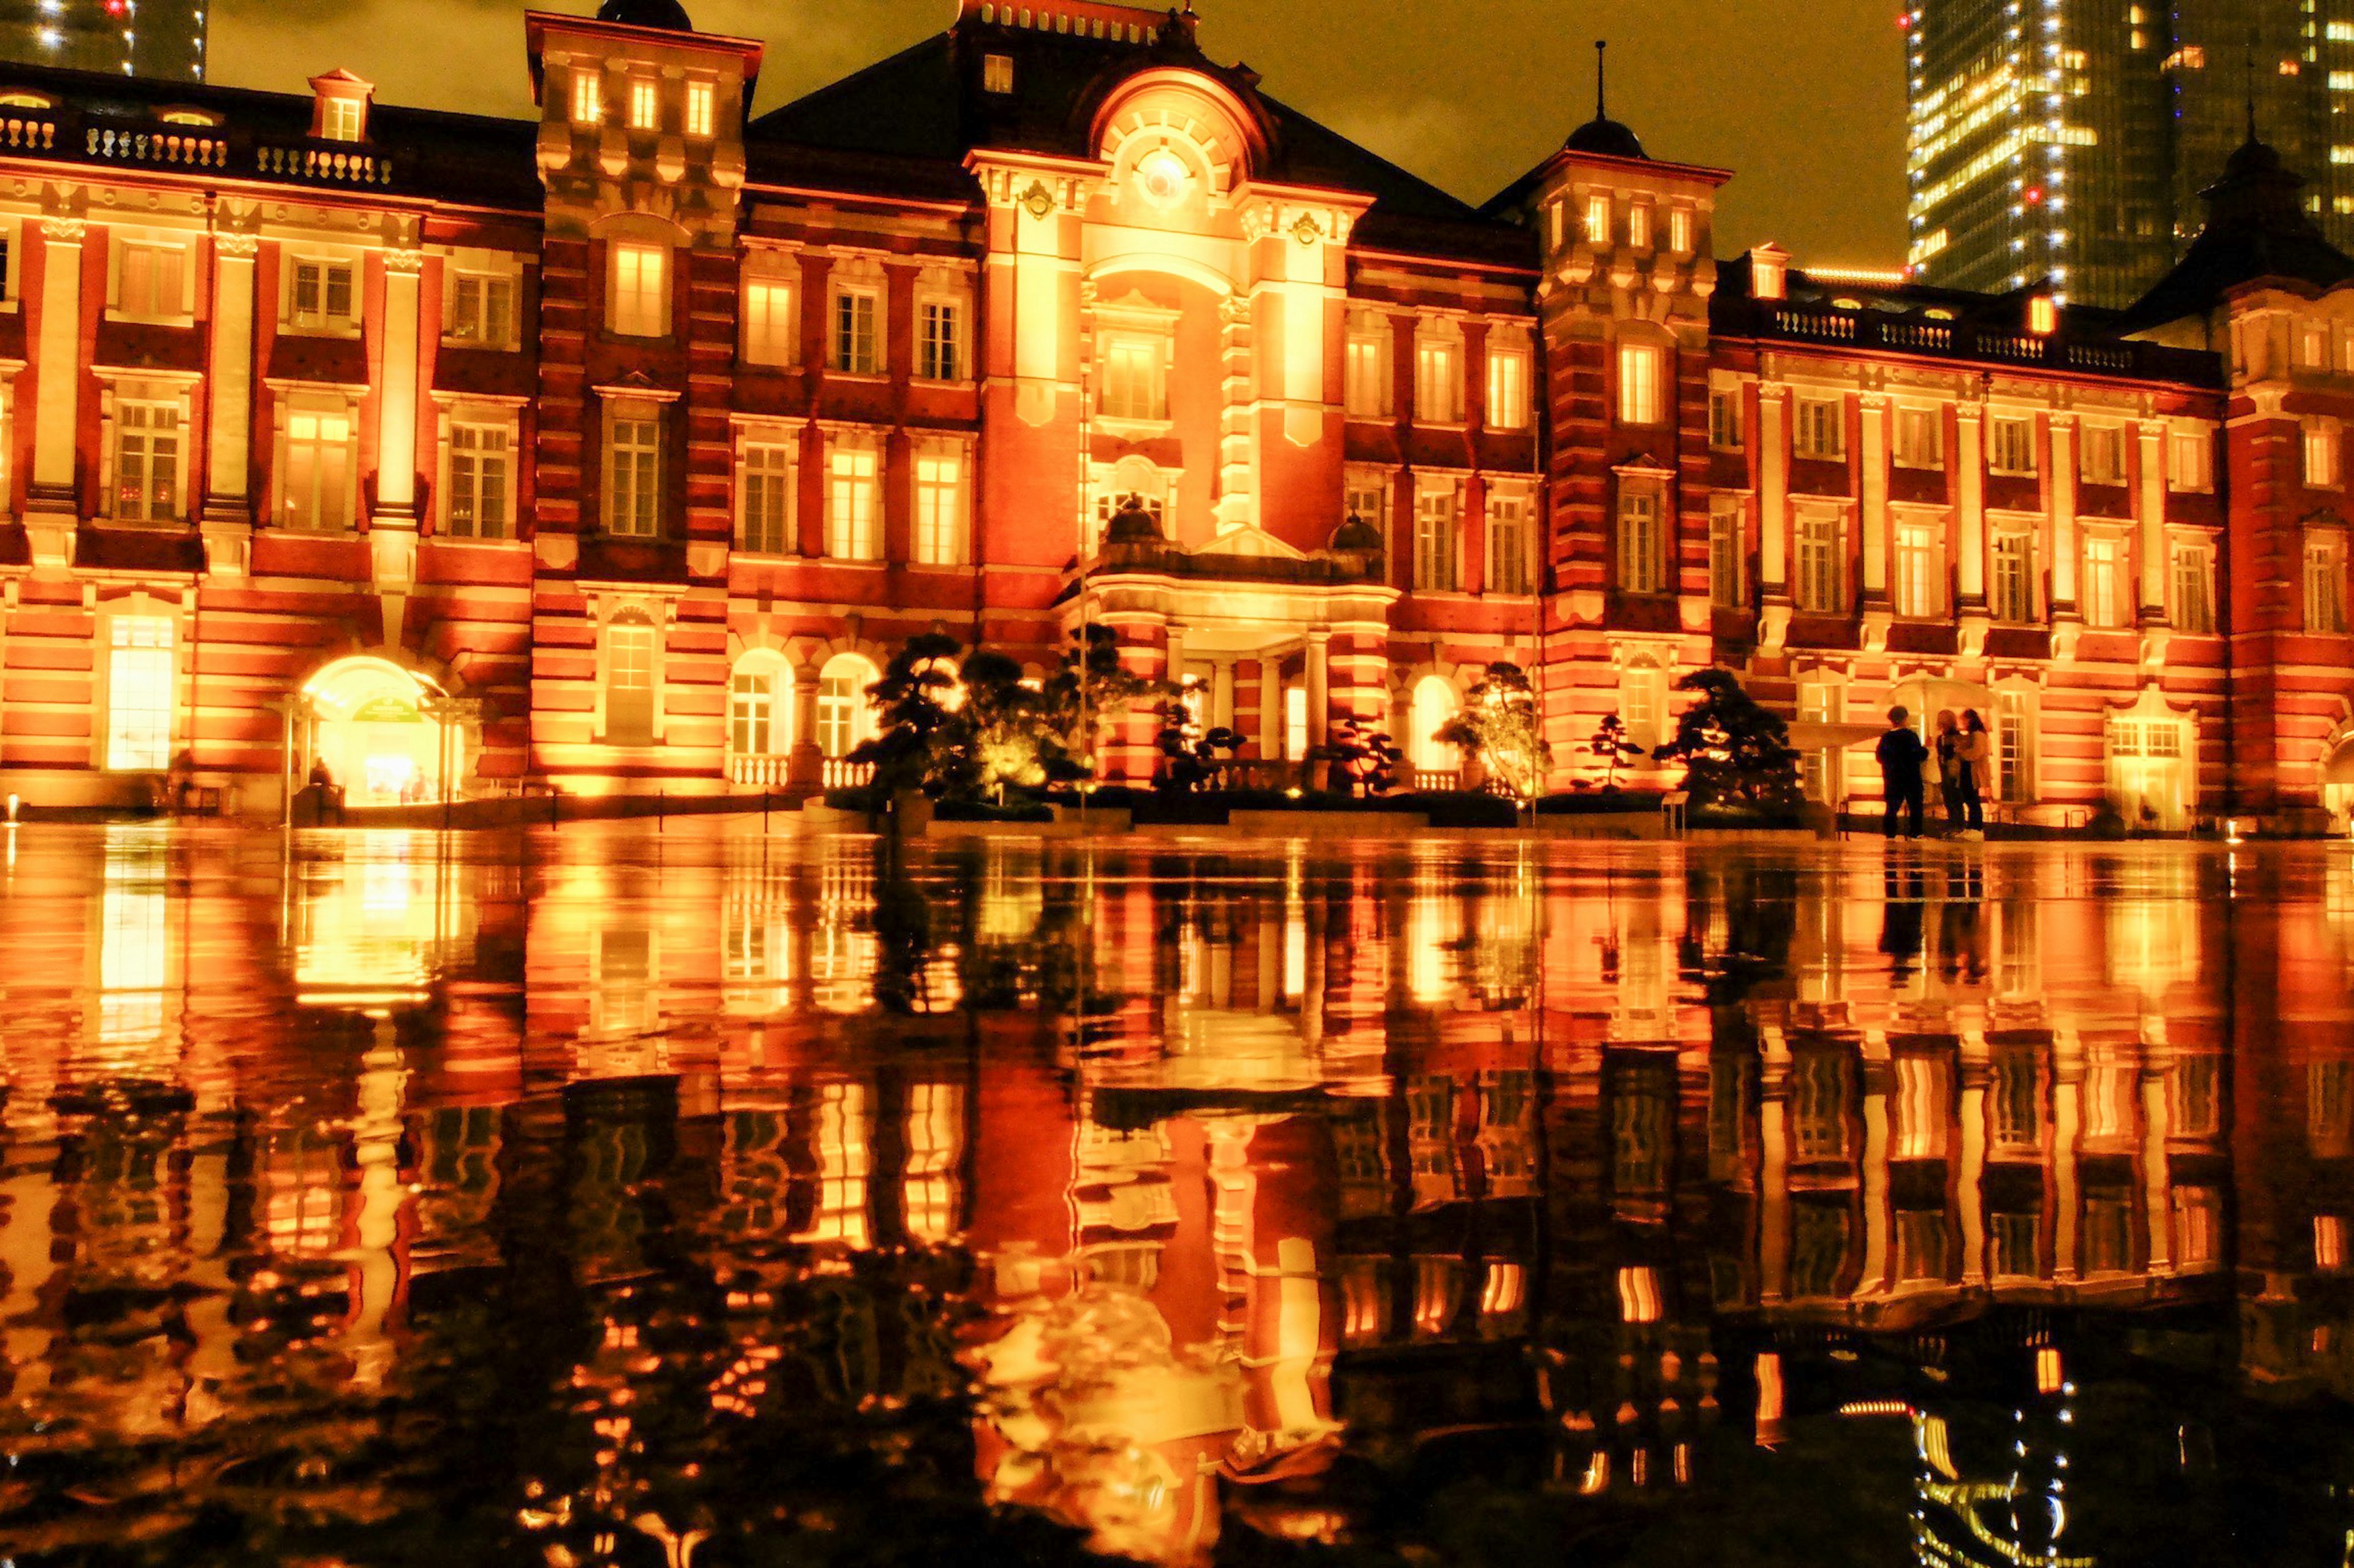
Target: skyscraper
[(2066, 141), (162, 38)]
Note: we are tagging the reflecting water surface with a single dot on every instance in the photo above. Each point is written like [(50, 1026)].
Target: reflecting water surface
[(625, 1196)]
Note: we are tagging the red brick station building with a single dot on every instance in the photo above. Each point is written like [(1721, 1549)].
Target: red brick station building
[(619, 449)]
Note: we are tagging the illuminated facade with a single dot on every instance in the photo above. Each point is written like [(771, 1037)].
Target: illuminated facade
[(617, 451), (159, 38), (2057, 144)]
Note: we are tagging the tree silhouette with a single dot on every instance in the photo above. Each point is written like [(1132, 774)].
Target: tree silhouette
[(1735, 754)]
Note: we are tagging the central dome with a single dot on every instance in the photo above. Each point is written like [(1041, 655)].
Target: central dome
[(1606, 138), (666, 13)]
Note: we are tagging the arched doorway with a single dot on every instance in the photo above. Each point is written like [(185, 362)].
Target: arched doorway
[(371, 726), (2338, 785), (1434, 704), (845, 716)]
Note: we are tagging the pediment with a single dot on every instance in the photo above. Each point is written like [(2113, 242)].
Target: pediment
[(1253, 543)]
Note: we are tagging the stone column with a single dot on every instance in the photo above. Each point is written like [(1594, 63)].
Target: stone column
[(1773, 514), (51, 512), (2149, 511), (228, 420), (1222, 694), (805, 767), (1174, 656), (392, 522), (1872, 487), (1270, 707), (2062, 490), (1975, 1068), (1319, 687)]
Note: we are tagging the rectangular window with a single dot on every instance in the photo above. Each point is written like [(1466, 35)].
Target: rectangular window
[(1919, 437), (2103, 458), (146, 462), (339, 119), (2011, 591), (1727, 551), (768, 321), (2325, 584), (997, 73), (1642, 399), (1367, 379), (1725, 411), (940, 348), (639, 307), (628, 685), (2010, 446), (1507, 390), (1920, 570), (645, 104), (2107, 602), (2014, 738), (480, 481), (482, 310), (316, 490), (322, 293), (854, 488), (2312, 345), (634, 477), (2321, 454), (2190, 462), (1820, 431), (588, 96), (1642, 541), (1438, 381), (1133, 387), (1435, 553), (767, 508), (751, 720), (1822, 544), (1508, 542), (1638, 226), (2194, 588), (857, 337), (154, 282), (1366, 497), (1597, 219), (939, 508), (702, 109), (1679, 232), (139, 694)]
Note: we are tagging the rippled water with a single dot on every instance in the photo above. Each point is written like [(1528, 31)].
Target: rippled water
[(692, 1197)]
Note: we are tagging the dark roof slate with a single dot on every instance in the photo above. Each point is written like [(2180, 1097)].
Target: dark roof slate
[(2256, 228)]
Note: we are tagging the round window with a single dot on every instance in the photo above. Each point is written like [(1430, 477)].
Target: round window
[(1164, 175)]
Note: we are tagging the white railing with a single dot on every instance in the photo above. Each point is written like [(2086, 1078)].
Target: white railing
[(843, 774), (759, 772), (159, 147), (1437, 779)]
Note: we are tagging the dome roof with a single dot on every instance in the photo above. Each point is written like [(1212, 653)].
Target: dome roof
[(1132, 525), (668, 14), (1606, 138), (1355, 534)]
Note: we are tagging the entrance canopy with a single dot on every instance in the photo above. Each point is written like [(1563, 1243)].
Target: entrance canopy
[(369, 725)]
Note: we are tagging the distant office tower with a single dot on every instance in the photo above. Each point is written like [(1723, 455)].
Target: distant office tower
[(161, 39), (2068, 141)]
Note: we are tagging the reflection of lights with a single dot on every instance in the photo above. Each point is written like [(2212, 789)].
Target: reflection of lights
[(1597, 1475), (1638, 1295), (1865, 1409), (2047, 1375), (1769, 1398)]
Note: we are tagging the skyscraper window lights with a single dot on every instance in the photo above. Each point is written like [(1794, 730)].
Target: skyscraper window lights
[(139, 688)]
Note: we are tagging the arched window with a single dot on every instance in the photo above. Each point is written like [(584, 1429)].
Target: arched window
[(1434, 704), (760, 703), (845, 716)]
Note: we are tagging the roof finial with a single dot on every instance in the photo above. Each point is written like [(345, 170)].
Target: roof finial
[(1601, 63), (2252, 82)]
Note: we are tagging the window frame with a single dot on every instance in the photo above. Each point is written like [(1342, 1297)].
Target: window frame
[(1918, 572), (929, 307), (155, 735), (1438, 566), (699, 111), (643, 307), (2110, 441), (2031, 612), (2322, 582), (2199, 556), (1640, 553), (339, 491), (938, 542), (463, 328), (1820, 569), (1728, 422), (175, 308), (1640, 400), (771, 336), (1439, 371), (2107, 563), (1141, 348), (1510, 374), (859, 525), (503, 423), (2029, 463), (2180, 441), (640, 485), (1819, 427), (1511, 517), (1728, 552), (1368, 371), (2323, 444), (778, 478), (587, 95), (119, 432), (1928, 422), (853, 348)]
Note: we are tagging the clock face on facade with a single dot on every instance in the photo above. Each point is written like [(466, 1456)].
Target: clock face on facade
[(1164, 176)]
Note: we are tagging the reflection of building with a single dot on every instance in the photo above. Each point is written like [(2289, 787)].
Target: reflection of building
[(618, 449), (160, 38)]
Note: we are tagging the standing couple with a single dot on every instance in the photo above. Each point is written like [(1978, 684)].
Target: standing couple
[(1962, 762)]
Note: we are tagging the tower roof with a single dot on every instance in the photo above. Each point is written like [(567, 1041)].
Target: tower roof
[(666, 13), (2256, 227), (1602, 135)]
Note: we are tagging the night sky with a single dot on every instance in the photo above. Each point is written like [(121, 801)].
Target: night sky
[(1802, 98)]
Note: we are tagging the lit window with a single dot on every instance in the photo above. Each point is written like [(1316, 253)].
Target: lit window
[(482, 310), (1133, 385), (1819, 430), (1821, 576), (768, 499), (2011, 592), (997, 73), (2322, 441), (1638, 226), (339, 118), (639, 307), (1438, 380), (1920, 570), (479, 481), (1642, 541), (154, 282), (2042, 315), (2190, 462), (857, 346), (940, 348), (146, 461), (1435, 556), (629, 684), (1368, 371), (1768, 278), (1508, 390), (316, 491), (852, 490), (322, 293), (2325, 584), (2010, 446), (702, 109), (2312, 345), (1679, 230), (768, 321), (1508, 541), (1919, 437), (2107, 602), (1727, 549), (1724, 412), (2103, 458), (1640, 394), (752, 726), (2194, 588), (845, 718), (645, 104), (588, 96), (633, 475), (139, 694), (1597, 219), (940, 507)]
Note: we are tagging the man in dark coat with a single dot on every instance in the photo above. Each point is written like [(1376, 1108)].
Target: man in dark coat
[(1901, 754)]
